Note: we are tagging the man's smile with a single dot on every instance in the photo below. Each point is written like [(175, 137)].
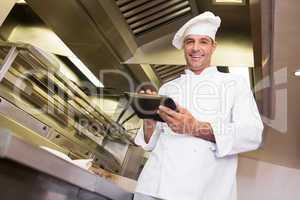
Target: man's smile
[(197, 57)]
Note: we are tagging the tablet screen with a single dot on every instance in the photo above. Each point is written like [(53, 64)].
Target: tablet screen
[(146, 106)]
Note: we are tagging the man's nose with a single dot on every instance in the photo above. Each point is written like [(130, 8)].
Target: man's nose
[(196, 46)]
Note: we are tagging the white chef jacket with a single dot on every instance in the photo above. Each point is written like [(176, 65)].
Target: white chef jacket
[(182, 167)]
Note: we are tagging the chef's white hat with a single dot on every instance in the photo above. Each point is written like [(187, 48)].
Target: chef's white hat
[(204, 24)]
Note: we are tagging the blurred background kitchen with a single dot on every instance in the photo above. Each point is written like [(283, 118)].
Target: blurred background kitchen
[(66, 63)]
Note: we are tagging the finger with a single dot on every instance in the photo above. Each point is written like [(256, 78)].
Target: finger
[(148, 91), (170, 112), (180, 109), (142, 91), (168, 119), (173, 127)]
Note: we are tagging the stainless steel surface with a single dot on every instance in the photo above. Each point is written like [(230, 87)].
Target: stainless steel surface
[(102, 45), (168, 72), (143, 16), (148, 12), (162, 20), (43, 161), (10, 111), (156, 16), (20, 182), (59, 79), (133, 161), (276, 51), (58, 105), (262, 34), (132, 4), (8, 60), (28, 135), (234, 18), (5, 7), (142, 8)]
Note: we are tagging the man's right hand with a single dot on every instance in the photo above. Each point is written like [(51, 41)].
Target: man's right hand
[(149, 124)]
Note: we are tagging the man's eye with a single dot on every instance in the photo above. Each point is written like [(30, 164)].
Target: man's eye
[(188, 41), (205, 42)]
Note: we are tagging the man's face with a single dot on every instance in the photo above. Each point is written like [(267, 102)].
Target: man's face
[(197, 51)]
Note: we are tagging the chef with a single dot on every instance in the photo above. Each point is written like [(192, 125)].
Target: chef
[(194, 153)]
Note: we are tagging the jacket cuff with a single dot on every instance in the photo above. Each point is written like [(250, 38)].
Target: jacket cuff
[(224, 137)]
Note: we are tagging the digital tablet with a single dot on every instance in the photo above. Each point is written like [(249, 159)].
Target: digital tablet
[(146, 106)]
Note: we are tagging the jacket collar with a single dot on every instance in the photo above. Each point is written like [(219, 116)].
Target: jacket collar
[(207, 71)]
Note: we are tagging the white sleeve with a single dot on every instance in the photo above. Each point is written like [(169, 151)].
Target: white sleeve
[(140, 138), (244, 132)]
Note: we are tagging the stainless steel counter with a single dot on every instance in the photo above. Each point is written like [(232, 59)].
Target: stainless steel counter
[(19, 159)]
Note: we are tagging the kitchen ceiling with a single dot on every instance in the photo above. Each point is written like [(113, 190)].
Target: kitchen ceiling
[(106, 45), (144, 15)]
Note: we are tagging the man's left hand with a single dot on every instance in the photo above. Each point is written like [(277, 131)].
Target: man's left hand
[(183, 122)]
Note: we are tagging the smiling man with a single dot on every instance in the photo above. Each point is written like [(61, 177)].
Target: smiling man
[(198, 50), (194, 153)]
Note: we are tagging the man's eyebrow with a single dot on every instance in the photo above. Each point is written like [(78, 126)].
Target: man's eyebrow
[(208, 39), (188, 39)]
